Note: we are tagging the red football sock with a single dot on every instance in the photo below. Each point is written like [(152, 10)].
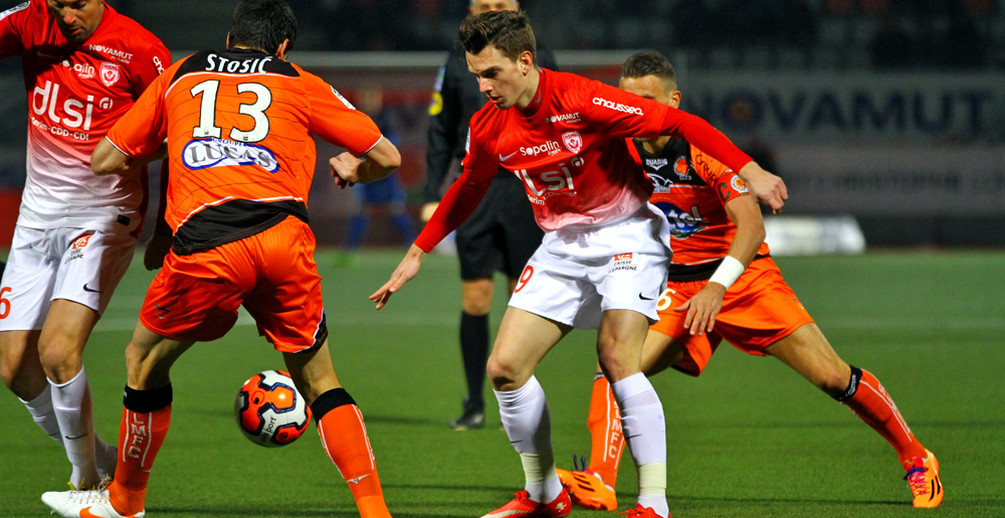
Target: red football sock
[(343, 436), (874, 406), (607, 440), (140, 438)]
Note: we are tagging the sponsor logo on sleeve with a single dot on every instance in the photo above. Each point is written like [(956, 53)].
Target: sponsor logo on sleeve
[(611, 105)]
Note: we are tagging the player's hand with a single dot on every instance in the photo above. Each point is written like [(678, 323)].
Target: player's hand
[(427, 210), (406, 271), (345, 169), (703, 308), (769, 189), (157, 249)]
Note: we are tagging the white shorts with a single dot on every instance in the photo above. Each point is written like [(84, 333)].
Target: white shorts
[(578, 273), (75, 264)]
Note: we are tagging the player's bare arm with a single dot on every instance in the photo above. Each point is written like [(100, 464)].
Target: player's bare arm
[(766, 187), (376, 164), (703, 308), (108, 159), (406, 271)]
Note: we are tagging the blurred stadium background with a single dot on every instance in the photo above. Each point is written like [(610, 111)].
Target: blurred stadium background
[(888, 111)]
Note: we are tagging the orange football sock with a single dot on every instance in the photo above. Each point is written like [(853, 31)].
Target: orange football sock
[(343, 436), (607, 441), (874, 406), (141, 435)]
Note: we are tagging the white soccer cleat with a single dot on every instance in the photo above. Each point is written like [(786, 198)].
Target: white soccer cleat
[(83, 504)]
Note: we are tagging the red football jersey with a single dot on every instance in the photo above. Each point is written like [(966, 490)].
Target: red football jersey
[(568, 149), (75, 93)]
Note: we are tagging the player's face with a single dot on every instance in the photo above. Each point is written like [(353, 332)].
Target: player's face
[(652, 87), (505, 82), (484, 6), (77, 19)]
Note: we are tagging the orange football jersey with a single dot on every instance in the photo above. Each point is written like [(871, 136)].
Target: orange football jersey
[(238, 126)]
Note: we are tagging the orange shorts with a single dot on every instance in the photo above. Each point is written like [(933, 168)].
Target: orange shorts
[(273, 274), (758, 310)]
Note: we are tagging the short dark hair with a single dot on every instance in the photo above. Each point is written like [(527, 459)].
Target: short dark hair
[(508, 31), (263, 24), (649, 63)]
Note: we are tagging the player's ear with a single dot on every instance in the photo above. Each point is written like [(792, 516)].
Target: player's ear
[(281, 51), (675, 98)]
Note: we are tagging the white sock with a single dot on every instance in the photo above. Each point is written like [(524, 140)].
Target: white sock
[(643, 425), (41, 412), (71, 402), (525, 416)]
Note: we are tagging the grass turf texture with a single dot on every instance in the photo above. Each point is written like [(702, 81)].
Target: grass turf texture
[(748, 438)]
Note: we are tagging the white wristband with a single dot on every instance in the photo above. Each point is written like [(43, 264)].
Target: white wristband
[(727, 272)]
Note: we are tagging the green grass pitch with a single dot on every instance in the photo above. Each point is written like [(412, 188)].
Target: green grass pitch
[(748, 438)]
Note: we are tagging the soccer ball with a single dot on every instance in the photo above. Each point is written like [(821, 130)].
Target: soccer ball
[(269, 409)]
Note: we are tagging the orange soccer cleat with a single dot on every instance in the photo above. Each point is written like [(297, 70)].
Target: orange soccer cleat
[(923, 479), (587, 489)]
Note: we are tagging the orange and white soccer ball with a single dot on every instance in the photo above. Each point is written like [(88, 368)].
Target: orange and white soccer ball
[(269, 409)]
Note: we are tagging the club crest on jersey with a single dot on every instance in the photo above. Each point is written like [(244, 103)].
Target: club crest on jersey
[(573, 141), (681, 168), (206, 153), (109, 73)]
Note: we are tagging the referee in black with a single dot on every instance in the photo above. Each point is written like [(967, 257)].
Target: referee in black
[(501, 235)]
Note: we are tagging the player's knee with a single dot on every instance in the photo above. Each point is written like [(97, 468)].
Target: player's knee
[(504, 376), (61, 360)]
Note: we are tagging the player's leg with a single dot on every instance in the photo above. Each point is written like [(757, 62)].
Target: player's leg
[(478, 255), (619, 349), (593, 488), (476, 301), (24, 302), (90, 267), (22, 373), (523, 340), (341, 427), (61, 348), (808, 352), (146, 416), (399, 214)]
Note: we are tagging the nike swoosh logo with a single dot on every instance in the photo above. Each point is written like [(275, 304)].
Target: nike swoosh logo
[(643, 297), (357, 479), (86, 513), (89, 290), (161, 308), (75, 437), (507, 157), (504, 513)]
